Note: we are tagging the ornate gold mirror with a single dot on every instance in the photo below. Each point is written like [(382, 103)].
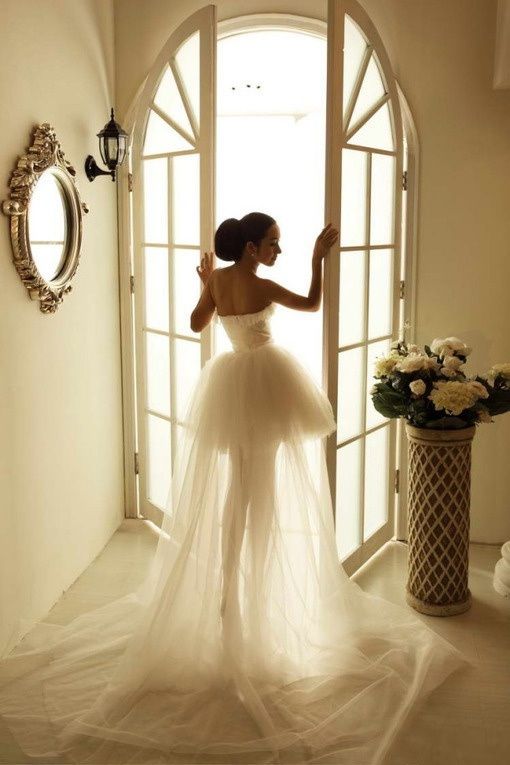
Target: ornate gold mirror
[(46, 219)]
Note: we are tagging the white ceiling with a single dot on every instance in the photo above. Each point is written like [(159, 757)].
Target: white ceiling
[(271, 72)]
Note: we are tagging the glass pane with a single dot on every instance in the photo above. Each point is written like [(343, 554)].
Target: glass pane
[(352, 297), (158, 460), (372, 89), (187, 60), (354, 48), (348, 503), (46, 211), (354, 201), (380, 293), (374, 350), (158, 373), (186, 289), (186, 199), (382, 208), (350, 393), (49, 259), (169, 100), (155, 200), (377, 132), (187, 363), (376, 481), (160, 138), (156, 288)]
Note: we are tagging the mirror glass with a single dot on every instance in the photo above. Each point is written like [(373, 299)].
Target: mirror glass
[(47, 225)]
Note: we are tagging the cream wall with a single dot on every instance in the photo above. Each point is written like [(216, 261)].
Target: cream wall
[(443, 56), (61, 484), (442, 52)]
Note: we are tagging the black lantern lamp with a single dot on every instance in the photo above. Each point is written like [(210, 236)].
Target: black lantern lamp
[(112, 145)]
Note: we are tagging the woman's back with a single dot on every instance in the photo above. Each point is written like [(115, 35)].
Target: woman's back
[(237, 292)]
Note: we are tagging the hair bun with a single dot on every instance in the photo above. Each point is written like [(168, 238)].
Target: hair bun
[(232, 234), (229, 240)]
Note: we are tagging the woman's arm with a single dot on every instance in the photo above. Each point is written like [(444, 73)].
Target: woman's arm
[(312, 301)]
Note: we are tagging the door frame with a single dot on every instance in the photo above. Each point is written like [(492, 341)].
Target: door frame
[(134, 117)]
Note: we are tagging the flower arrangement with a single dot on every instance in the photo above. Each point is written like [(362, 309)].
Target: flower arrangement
[(428, 387)]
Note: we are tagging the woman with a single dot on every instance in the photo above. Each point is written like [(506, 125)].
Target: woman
[(247, 642)]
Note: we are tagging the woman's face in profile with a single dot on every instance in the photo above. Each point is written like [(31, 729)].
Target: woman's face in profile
[(269, 247)]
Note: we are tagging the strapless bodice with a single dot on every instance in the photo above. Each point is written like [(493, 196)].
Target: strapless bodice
[(249, 330)]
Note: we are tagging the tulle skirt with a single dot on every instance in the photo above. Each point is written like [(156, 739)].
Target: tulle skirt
[(247, 642)]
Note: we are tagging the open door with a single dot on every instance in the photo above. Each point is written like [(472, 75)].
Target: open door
[(172, 209), (173, 217), (362, 280)]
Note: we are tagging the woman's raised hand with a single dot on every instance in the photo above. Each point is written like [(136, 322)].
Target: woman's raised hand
[(205, 269), (324, 242)]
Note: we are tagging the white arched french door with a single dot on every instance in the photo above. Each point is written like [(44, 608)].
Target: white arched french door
[(364, 190), (173, 212), (172, 209)]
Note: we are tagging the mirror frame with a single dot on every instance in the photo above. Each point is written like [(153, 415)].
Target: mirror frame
[(44, 153)]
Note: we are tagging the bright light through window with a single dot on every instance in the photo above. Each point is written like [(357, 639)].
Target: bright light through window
[(270, 158)]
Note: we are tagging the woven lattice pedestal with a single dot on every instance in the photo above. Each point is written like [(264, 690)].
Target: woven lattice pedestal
[(438, 519)]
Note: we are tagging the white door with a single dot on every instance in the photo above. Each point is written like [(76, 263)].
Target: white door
[(173, 213), (363, 199)]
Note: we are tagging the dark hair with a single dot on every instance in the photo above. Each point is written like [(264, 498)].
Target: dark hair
[(232, 234)]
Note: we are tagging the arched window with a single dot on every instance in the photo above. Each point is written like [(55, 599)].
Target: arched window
[(171, 217)]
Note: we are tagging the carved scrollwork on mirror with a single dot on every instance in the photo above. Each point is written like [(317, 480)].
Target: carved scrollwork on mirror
[(45, 219)]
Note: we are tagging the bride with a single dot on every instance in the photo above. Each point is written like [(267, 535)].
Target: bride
[(246, 642)]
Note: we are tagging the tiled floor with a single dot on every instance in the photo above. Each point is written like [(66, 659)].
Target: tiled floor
[(467, 721)]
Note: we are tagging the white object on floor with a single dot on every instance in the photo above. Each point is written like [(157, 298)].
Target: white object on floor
[(502, 572)]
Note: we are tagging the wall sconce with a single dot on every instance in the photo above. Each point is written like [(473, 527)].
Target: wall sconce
[(112, 145)]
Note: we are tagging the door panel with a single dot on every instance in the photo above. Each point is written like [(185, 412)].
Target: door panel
[(173, 218), (364, 157)]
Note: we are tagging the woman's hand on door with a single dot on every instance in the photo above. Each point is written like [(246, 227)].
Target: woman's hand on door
[(205, 269)]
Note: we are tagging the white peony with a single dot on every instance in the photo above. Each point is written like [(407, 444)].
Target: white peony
[(418, 387), (479, 389), (446, 372), (449, 346), (452, 396)]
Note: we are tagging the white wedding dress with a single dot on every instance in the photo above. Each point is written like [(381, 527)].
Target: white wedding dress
[(247, 642)]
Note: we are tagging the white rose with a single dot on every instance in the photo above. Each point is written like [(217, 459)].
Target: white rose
[(418, 387), (384, 365), (502, 370), (446, 372), (452, 362), (415, 362), (449, 346)]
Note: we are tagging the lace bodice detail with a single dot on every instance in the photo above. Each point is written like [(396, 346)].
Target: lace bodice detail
[(249, 330)]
